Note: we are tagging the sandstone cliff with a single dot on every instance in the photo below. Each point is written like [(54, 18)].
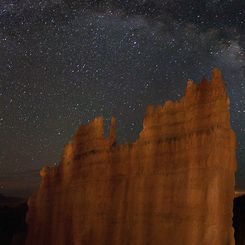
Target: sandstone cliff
[(173, 186)]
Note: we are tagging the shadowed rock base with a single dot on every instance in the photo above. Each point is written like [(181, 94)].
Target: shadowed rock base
[(173, 186)]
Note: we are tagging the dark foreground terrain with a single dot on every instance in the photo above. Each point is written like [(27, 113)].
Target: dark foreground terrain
[(12, 220), (13, 228), (239, 220)]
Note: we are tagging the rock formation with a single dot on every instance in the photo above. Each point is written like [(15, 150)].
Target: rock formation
[(174, 185)]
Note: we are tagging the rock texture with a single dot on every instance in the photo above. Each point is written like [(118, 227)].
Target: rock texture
[(173, 186)]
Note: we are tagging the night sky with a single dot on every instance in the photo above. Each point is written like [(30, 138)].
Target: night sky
[(64, 62)]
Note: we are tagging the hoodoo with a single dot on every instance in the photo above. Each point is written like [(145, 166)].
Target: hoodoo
[(174, 185)]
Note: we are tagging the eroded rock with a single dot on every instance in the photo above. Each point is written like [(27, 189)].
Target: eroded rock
[(173, 186)]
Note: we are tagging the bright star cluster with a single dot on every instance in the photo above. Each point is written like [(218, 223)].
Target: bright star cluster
[(62, 63)]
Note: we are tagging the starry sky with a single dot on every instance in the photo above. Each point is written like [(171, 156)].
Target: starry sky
[(64, 62)]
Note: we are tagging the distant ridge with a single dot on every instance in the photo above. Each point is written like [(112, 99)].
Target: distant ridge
[(10, 201), (239, 193)]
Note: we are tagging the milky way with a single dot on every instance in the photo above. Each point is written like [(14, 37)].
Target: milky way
[(62, 63)]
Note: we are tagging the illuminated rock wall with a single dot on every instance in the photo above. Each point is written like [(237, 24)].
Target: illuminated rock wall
[(173, 186)]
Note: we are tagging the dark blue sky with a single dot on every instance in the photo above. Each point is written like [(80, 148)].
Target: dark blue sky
[(64, 62)]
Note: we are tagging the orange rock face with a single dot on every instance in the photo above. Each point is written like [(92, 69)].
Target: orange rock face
[(173, 186)]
